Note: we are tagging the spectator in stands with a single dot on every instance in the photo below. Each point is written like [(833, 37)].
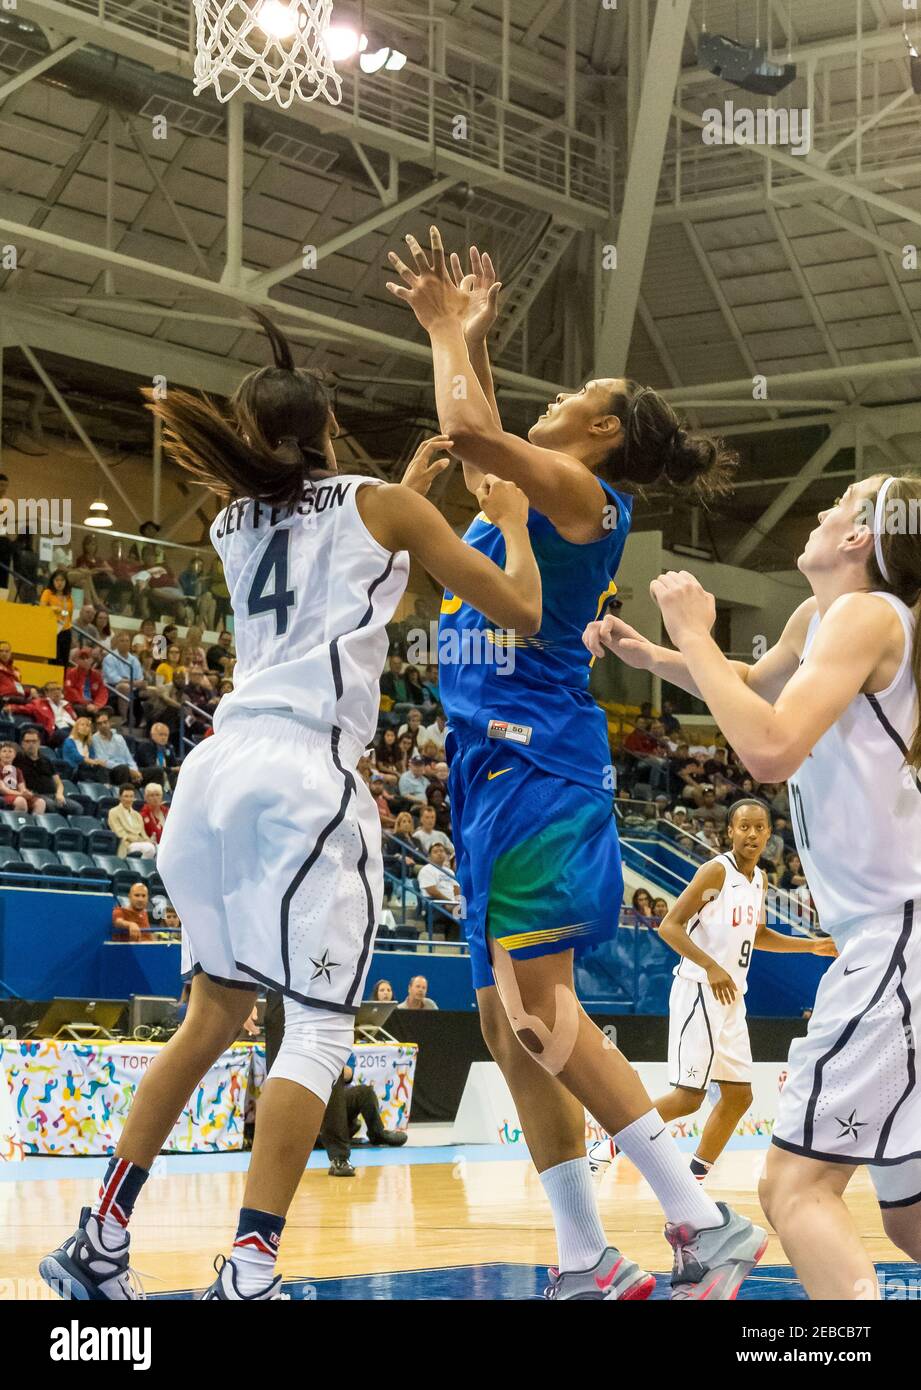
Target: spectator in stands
[(642, 907), (437, 796), (382, 993), (194, 584), (710, 835), (164, 594), (77, 753), (440, 775), (430, 754), (153, 812), (126, 824), (16, 794), (132, 923), (417, 995), (397, 860), (693, 778), (414, 685), (412, 726), (385, 756), (52, 713), (393, 683), (40, 777), (659, 909), (435, 879), (113, 752), (430, 685), (86, 624), (122, 671), (772, 856), (708, 808), (170, 918), (93, 574), (58, 598), (792, 876), (670, 723), (383, 802), (785, 831), (221, 657), (428, 834), (214, 606), (640, 741), (167, 668), (155, 757), (84, 687), (405, 749), (413, 783), (193, 652), (103, 626), (437, 731)]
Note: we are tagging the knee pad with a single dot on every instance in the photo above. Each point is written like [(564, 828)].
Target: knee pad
[(551, 1047), (316, 1046)]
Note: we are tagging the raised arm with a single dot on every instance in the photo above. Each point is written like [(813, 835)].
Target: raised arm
[(767, 676), (400, 519), (560, 487), (856, 634)]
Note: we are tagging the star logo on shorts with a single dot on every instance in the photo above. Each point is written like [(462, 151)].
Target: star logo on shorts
[(850, 1126), (691, 1073), (323, 966)]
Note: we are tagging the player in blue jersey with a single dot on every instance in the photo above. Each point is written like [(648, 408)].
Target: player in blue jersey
[(531, 801)]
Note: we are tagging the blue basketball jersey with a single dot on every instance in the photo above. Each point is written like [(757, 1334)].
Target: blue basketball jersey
[(533, 692)]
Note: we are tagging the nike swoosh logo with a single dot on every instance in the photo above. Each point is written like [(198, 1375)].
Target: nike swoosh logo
[(491, 775), (654, 1137), (852, 969), (604, 1281)]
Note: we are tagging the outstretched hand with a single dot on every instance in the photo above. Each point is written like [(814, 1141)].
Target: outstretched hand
[(614, 635), (424, 466), (482, 288), (687, 609), (427, 286)]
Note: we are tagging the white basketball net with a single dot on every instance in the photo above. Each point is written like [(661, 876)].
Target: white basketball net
[(276, 49)]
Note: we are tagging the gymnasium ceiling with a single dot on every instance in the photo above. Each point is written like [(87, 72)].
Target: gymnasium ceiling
[(757, 263)]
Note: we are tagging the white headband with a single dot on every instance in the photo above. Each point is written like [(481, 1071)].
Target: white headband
[(878, 521)]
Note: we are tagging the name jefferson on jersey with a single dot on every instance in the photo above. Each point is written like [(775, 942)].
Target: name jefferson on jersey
[(311, 592)]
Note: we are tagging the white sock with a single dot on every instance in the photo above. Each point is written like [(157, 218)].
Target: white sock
[(579, 1236), (649, 1146)]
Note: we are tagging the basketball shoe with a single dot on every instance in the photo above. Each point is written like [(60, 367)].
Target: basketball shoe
[(711, 1263), (85, 1269), (614, 1278)]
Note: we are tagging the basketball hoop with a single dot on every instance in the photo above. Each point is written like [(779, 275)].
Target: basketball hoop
[(276, 49)]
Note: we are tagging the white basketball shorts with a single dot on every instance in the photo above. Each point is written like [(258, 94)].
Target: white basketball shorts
[(707, 1041), (271, 855), (852, 1091)]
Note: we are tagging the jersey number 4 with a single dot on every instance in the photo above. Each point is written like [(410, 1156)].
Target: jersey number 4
[(269, 592)]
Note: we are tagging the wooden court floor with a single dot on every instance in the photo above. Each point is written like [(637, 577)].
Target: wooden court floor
[(397, 1217)]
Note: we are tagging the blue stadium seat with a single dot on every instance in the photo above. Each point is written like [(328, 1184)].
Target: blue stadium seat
[(94, 792), (120, 871), (97, 839), (8, 731), (61, 834), (44, 861), (80, 865), (27, 833), (11, 862)]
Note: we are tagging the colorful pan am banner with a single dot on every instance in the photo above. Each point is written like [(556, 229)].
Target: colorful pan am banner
[(69, 1098), (72, 1098)]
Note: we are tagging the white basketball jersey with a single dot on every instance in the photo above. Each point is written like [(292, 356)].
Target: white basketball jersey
[(856, 805), (311, 593), (725, 927)]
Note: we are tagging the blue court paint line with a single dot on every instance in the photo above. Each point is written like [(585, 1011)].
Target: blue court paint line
[(502, 1282), (41, 1168)]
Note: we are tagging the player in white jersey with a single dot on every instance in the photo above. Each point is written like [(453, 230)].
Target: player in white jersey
[(715, 925), (834, 707), (272, 851)]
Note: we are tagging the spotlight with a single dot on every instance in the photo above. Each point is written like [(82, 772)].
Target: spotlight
[(390, 58), (343, 42), (277, 20), (98, 514), (743, 66)]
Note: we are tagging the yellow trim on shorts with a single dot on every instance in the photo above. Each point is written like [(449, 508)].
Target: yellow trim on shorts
[(521, 940)]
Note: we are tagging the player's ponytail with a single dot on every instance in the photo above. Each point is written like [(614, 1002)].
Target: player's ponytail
[(265, 443), (900, 573), (656, 450)]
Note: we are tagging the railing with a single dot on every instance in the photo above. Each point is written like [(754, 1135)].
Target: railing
[(433, 912)]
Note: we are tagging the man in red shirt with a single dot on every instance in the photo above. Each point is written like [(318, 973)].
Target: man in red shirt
[(640, 741), (132, 923), (83, 683), (11, 686), (52, 712)]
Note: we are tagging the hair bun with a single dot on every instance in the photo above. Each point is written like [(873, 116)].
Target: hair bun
[(691, 457)]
